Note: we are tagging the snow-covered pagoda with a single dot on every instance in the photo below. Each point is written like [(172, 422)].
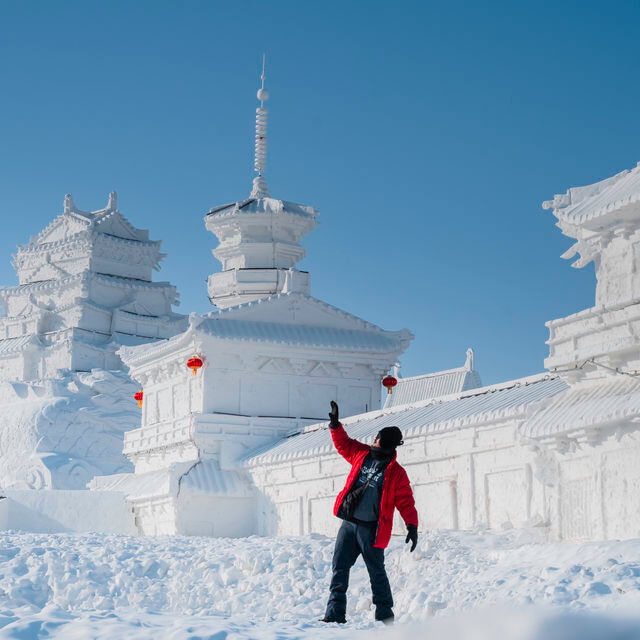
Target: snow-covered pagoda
[(268, 362), (85, 289)]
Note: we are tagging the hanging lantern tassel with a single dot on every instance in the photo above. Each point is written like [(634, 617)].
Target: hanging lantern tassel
[(389, 382), (138, 395), (194, 364)]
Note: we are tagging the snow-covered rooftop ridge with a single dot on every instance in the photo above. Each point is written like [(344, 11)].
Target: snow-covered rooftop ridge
[(119, 281), (477, 406), (94, 218), (222, 324), (436, 384), (290, 334), (263, 205), (586, 405), (85, 236), (581, 204), (293, 295)]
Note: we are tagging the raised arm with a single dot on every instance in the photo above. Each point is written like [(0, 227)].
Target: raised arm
[(347, 447)]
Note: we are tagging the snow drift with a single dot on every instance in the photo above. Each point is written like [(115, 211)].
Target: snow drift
[(476, 586)]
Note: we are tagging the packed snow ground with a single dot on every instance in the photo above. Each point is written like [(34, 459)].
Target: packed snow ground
[(81, 586)]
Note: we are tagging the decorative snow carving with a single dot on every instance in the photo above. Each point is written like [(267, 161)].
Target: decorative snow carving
[(69, 205), (64, 318)]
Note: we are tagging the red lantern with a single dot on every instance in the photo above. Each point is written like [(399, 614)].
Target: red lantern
[(194, 364), (138, 395), (389, 382)]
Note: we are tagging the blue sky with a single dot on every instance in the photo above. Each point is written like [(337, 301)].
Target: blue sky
[(427, 134)]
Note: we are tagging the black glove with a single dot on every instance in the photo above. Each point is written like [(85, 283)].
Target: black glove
[(333, 416), (412, 535)]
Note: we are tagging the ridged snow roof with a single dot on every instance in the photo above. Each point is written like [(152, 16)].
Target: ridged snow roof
[(585, 405), (349, 339), (583, 204), (478, 406), (263, 205), (434, 385), (117, 281), (230, 324)]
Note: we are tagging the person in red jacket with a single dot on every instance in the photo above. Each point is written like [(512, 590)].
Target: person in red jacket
[(376, 485)]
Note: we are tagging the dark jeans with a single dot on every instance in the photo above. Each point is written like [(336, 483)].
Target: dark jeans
[(355, 539)]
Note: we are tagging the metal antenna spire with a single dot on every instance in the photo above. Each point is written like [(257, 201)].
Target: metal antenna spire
[(260, 189)]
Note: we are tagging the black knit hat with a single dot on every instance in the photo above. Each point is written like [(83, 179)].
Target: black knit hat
[(390, 437)]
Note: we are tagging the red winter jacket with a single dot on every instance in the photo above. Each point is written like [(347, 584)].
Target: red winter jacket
[(396, 489)]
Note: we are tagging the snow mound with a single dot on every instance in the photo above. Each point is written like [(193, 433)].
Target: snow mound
[(111, 586), (58, 434), (532, 623)]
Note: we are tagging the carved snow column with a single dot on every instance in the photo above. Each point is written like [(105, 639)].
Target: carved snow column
[(604, 219)]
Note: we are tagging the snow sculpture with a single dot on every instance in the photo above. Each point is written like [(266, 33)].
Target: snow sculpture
[(242, 447), (604, 219), (557, 451), (273, 359), (85, 289)]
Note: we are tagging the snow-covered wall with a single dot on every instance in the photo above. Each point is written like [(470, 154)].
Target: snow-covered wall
[(57, 511), (494, 457)]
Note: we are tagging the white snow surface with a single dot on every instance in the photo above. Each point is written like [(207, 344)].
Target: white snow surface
[(462, 585)]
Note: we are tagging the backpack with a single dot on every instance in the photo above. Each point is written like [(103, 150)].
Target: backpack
[(352, 499)]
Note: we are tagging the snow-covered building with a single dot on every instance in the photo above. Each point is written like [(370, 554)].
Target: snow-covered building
[(273, 358), (84, 289), (233, 439), (242, 447), (558, 450)]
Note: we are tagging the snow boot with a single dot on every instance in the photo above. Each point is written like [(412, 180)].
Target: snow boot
[(338, 620)]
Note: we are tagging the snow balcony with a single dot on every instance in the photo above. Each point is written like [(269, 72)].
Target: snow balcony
[(590, 343), (229, 288), (203, 436)]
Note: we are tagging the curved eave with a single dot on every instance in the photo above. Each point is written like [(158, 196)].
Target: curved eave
[(244, 207), (116, 281)]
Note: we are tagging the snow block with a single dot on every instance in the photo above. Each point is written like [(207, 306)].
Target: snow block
[(57, 511)]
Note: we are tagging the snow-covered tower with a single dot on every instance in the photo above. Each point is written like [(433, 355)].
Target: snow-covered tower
[(85, 288), (259, 237), (604, 219), (273, 357)]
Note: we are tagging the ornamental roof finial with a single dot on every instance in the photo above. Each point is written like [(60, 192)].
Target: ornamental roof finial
[(260, 189), (69, 205), (470, 362), (112, 203)]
